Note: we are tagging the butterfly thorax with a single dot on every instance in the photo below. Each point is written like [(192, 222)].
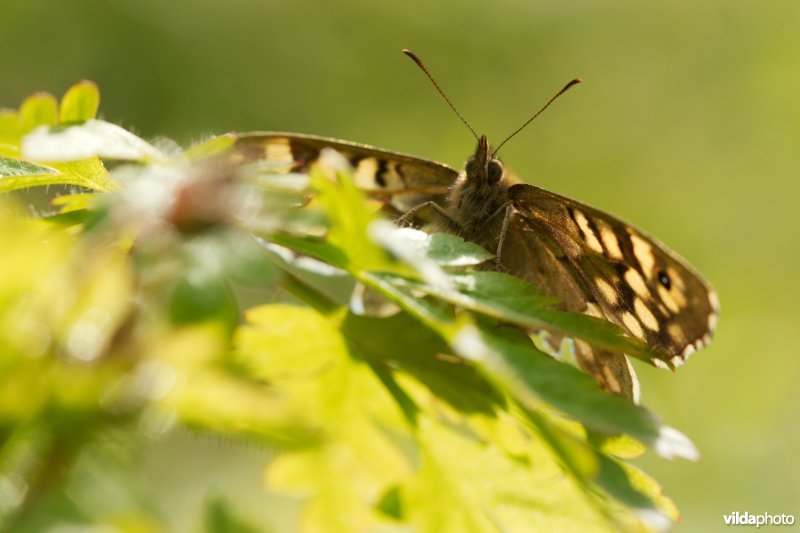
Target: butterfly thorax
[(478, 196)]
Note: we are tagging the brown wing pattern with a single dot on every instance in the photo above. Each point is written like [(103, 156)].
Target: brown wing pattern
[(530, 252), (403, 181), (636, 281)]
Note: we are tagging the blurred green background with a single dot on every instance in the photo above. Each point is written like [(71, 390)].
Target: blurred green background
[(688, 125)]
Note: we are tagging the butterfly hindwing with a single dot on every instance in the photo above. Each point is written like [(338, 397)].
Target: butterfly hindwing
[(531, 253)]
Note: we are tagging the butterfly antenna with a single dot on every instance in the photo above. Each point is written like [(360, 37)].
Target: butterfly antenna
[(422, 66), (564, 89)]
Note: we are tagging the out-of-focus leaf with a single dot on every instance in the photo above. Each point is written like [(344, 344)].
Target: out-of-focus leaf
[(316, 248), (211, 147), (444, 249), (74, 202), (347, 211), (220, 517), (89, 173), (622, 446), (93, 138), (208, 395), (10, 132), (407, 345), (19, 168), (309, 364), (409, 251), (452, 251), (80, 102), (464, 484), (266, 349), (39, 109), (650, 487), (425, 310), (199, 296)]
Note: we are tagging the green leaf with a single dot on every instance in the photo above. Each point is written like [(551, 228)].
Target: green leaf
[(348, 213), (444, 249), (516, 301), (90, 173), (75, 202), (429, 312), (39, 109), (406, 344), (314, 247), (220, 517), (211, 147), (19, 168), (200, 296), (80, 102), (465, 484), (596, 471), (452, 251), (532, 376), (93, 138), (311, 369), (10, 132)]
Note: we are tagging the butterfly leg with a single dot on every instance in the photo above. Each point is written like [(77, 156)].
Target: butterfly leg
[(440, 218), (507, 212)]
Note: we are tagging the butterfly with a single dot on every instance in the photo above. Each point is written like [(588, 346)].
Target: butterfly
[(591, 261)]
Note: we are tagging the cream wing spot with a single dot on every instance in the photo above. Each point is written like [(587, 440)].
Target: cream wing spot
[(633, 325), (589, 236), (713, 299), (678, 290), (645, 315), (668, 300), (676, 333), (592, 309), (279, 149), (610, 240), (636, 282), (365, 172), (607, 291), (611, 380), (689, 350), (392, 177), (644, 253), (661, 364), (712, 321)]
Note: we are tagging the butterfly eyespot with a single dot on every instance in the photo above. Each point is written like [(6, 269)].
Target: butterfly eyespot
[(495, 171), (663, 278)]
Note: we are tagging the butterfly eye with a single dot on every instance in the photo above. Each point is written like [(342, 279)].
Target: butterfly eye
[(495, 171), (663, 278)]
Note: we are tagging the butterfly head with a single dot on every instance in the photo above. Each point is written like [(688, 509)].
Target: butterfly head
[(483, 167)]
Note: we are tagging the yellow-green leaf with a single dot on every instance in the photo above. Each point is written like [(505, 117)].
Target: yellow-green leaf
[(80, 102), (37, 110)]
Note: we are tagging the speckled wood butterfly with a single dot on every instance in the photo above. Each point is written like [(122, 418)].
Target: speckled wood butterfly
[(593, 262)]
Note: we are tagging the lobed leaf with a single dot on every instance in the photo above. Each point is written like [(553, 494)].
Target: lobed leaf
[(80, 103), (92, 138)]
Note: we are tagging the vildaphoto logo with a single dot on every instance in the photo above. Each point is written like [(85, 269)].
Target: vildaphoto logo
[(764, 519)]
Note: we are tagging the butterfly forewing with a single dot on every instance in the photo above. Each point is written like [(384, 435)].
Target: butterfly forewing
[(401, 180), (637, 282)]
